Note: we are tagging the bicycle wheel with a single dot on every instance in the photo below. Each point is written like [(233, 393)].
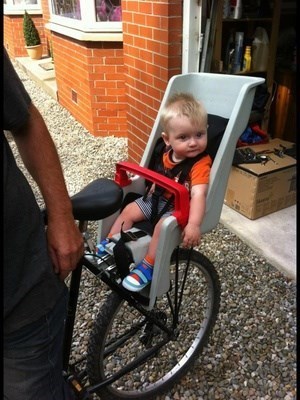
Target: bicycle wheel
[(121, 335)]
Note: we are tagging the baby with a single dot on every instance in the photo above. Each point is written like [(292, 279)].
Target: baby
[(184, 124)]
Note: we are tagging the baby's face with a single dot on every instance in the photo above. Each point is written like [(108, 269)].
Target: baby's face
[(185, 138)]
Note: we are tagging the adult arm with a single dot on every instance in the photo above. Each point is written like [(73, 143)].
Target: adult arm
[(40, 157)]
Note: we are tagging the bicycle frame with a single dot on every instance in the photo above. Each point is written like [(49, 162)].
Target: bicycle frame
[(74, 377)]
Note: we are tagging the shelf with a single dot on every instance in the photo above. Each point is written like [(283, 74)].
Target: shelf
[(251, 73), (248, 73), (259, 19), (225, 27)]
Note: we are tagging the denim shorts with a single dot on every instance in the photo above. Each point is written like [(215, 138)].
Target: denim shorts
[(32, 358)]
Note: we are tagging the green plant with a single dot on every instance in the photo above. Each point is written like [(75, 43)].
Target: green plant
[(31, 34)]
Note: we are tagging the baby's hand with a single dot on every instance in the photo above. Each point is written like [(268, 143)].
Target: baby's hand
[(191, 236)]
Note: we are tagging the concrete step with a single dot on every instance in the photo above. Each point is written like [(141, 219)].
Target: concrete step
[(41, 71)]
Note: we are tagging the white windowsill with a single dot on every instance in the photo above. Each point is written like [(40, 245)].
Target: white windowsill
[(31, 11), (85, 36)]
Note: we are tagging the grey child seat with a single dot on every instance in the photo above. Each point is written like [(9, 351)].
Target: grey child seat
[(228, 96)]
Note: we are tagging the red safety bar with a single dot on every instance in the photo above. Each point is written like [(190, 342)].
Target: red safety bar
[(181, 194)]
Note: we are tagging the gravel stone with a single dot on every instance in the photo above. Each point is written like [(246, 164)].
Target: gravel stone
[(251, 354)]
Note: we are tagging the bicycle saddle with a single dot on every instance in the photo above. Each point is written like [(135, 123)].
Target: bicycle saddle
[(99, 199)]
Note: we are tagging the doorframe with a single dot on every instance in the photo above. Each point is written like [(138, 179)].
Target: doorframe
[(191, 35)]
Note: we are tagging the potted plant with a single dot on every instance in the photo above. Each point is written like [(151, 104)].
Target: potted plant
[(32, 38)]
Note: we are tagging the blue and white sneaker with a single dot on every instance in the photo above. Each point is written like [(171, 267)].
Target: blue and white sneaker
[(138, 278), (101, 251)]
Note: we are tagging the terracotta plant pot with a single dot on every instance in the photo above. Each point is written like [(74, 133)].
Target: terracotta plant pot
[(35, 52)]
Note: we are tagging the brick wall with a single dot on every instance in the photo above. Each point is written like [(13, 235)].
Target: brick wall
[(152, 33), (90, 83), (46, 19)]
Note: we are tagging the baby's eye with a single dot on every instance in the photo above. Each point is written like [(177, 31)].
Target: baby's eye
[(200, 134), (182, 137)]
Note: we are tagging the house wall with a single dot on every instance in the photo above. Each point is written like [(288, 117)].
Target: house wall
[(114, 88), (90, 83)]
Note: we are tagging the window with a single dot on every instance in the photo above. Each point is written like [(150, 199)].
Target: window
[(87, 15), (108, 10), (18, 6), (68, 9)]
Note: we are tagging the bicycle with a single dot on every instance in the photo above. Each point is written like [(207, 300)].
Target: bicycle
[(176, 327), (141, 343)]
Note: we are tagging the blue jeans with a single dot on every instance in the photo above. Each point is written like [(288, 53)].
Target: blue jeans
[(33, 359)]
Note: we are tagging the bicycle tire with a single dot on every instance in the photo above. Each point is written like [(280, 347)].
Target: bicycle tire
[(199, 310)]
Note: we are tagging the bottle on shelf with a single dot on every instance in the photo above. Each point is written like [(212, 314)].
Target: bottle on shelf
[(226, 9), (238, 52), (260, 50), (229, 55), (237, 13), (247, 60)]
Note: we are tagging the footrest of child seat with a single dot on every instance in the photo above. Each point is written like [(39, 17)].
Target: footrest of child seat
[(106, 270), (112, 278)]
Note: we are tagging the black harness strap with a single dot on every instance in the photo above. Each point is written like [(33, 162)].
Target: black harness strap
[(182, 169), (122, 255)]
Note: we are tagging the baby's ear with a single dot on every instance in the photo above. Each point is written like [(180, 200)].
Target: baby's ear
[(165, 138)]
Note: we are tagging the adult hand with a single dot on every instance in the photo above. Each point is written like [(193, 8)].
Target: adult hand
[(65, 245)]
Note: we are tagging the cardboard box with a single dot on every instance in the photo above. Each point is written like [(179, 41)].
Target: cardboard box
[(255, 190)]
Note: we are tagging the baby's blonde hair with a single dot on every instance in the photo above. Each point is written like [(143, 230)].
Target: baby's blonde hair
[(183, 104)]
